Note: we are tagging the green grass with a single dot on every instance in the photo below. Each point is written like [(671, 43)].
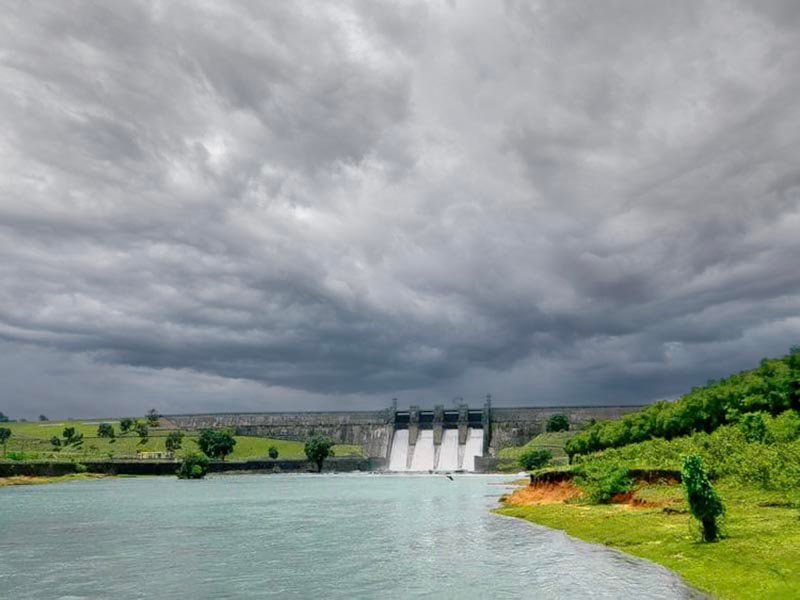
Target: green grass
[(757, 559), (554, 442), (32, 442)]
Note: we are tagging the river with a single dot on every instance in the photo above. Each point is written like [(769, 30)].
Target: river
[(297, 536)]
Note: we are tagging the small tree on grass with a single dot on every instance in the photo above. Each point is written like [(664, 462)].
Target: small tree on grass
[(125, 425), (535, 458), (152, 417), (273, 452), (142, 431), (557, 423), (174, 441), (72, 437), (43, 418), (704, 503), (216, 443), (194, 466), (105, 430), (317, 449), (5, 434)]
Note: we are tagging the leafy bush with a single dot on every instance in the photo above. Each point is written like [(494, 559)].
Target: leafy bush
[(704, 503), (273, 452), (105, 430), (216, 443), (557, 423), (754, 427), (602, 482), (194, 466), (81, 468), (535, 458), (317, 449), (125, 425), (174, 441)]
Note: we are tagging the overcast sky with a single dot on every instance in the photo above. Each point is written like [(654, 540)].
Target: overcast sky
[(211, 206)]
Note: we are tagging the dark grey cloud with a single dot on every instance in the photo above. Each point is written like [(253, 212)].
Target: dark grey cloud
[(218, 206)]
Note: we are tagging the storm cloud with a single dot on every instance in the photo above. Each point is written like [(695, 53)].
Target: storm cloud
[(261, 206)]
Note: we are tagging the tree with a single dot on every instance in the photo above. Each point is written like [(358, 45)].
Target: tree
[(5, 434), (142, 431), (125, 425), (3, 418), (273, 452), (43, 418), (56, 442), (216, 443), (152, 417), (535, 458), (174, 441), (317, 449), (704, 503), (194, 466), (754, 427), (557, 423), (72, 437), (105, 430)]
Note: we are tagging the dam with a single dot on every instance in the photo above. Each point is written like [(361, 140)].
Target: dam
[(416, 439)]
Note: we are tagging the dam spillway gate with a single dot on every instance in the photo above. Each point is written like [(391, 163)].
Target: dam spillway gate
[(438, 440)]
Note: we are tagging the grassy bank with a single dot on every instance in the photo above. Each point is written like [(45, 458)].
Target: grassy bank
[(757, 559), (31, 441), (24, 480)]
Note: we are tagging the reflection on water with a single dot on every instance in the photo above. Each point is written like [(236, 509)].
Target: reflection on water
[(297, 536)]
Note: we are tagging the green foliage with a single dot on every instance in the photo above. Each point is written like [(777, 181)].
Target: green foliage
[(5, 435), (704, 503), (317, 449), (55, 441), (193, 466), (754, 427), (71, 437), (535, 458), (125, 425), (3, 418), (152, 417), (774, 387), (216, 443), (557, 423), (602, 482), (273, 452), (43, 418), (174, 441), (142, 431), (105, 430), (80, 468)]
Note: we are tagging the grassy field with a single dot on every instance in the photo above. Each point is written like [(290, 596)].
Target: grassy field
[(758, 558), (31, 441)]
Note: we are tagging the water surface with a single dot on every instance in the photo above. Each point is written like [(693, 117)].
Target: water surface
[(297, 536)]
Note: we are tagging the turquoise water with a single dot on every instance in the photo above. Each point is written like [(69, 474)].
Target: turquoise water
[(297, 536)]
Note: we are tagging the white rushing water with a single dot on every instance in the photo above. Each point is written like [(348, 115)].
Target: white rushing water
[(474, 447), (448, 451), (398, 459), (423, 453)]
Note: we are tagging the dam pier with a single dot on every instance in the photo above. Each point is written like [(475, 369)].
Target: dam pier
[(416, 439)]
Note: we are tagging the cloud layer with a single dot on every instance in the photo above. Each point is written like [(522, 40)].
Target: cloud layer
[(213, 206)]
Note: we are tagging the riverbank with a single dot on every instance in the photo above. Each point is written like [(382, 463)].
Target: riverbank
[(756, 559), (28, 480)]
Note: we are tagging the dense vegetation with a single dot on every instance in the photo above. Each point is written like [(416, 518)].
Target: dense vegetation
[(317, 449), (193, 466), (772, 388)]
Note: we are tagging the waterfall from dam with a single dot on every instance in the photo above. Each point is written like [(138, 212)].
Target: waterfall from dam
[(423, 452), (398, 459), (451, 456), (448, 451), (474, 447)]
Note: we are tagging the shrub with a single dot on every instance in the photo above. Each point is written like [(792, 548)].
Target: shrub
[(273, 452), (174, 441), (753, 426), (152, 417), (557, 423), (535, 458), (602, 482), (125, 425), (194, 466), (105, 430), (317, 449), (142, 431), (704, 503), (81, 468), (216, 443)]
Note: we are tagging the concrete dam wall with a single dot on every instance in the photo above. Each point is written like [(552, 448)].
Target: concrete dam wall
[(449, 439)]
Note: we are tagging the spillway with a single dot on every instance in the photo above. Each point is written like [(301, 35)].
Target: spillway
[(423, 452), (474, 447), (398, 459), (448, 451)]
